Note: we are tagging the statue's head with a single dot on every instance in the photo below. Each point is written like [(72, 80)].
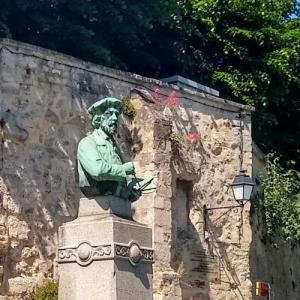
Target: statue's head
[(105, 114)]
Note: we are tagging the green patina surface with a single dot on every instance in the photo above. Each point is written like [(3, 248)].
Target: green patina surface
[(102, 168)]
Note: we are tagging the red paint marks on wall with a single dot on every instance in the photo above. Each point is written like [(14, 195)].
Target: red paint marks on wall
[(194, 137), (157, 95), (171, 100)]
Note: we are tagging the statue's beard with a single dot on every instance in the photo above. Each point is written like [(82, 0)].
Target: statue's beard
[(109, 128)]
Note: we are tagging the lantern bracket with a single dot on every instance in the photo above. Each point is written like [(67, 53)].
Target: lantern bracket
[(205, 214)]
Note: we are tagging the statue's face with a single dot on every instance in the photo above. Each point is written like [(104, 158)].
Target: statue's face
[(109, 121)]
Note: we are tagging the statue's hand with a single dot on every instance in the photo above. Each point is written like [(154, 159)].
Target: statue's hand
[(134, 195), (129, 168)]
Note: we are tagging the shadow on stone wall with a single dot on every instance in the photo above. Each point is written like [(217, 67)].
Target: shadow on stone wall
[(278, 264), (227, 269), (189, 161), (38, 194), (41, 127), (186, 244)]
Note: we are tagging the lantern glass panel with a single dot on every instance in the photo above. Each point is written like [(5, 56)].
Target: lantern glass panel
[(247, 191), (238, 191)]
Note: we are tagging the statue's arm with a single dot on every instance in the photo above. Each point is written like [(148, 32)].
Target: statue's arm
[(95, 166)]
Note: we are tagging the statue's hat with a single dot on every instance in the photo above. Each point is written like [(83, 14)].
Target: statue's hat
[(102, 105)]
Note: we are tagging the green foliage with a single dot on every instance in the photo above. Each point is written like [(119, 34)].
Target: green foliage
[(128, 108), (48, 290), (112, 33), (280, 202), (253, 49)]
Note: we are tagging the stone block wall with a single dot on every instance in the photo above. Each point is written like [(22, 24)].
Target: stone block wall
[(44, 97)]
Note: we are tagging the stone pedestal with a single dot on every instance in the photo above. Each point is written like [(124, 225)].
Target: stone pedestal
[(104, 257)]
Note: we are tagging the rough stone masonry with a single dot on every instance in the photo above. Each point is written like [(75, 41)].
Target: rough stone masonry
[(192, 143)]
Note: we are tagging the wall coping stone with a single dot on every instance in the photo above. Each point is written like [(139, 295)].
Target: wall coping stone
[(17, 47)]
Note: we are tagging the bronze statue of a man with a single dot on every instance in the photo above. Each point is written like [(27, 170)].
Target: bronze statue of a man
[(101, 166)]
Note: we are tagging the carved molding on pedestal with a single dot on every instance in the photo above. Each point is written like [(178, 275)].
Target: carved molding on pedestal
[(85, 253), (134, 253)]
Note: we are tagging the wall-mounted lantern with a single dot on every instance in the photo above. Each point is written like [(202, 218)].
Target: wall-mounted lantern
[(242, 187)]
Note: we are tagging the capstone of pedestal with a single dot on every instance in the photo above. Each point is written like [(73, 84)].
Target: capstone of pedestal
[(104, 205)]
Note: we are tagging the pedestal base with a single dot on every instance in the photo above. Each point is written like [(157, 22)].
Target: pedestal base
[(105, 258)]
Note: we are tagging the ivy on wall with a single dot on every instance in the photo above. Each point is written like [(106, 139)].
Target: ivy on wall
[(279, 203)]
